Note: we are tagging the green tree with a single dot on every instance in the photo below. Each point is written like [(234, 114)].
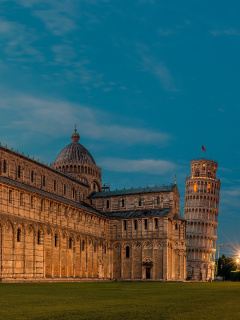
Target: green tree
[(225, 266)]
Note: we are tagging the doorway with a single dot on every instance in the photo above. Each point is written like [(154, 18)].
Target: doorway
[(148, 273)]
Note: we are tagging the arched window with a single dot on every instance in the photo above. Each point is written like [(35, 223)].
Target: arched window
[(127, 252), (73, 193), (94, 186), (104, 249), (70, 243), (4, 166), (32, 176), (156, 223), (18, 235), (54, 185), (158, 200), (43, 181), (176, 226), (197, 173), (83, 245), (123, 203), (95, 247), (108, 204), (140, 202), (209, 173), (38, 237), (19, 171), (64, 189), (125, 225)]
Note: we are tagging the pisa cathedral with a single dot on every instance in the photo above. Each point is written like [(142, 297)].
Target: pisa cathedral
[(59, 223)]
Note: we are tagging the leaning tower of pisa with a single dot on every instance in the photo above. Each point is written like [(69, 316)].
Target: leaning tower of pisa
[(201, 210)]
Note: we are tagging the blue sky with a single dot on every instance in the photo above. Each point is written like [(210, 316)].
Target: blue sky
[(147, 81)]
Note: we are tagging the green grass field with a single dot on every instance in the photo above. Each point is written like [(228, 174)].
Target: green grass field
[(124, 300)]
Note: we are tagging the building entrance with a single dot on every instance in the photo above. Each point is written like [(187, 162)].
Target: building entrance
[(148, 273)]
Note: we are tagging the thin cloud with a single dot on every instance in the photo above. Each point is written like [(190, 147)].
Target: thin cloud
[(53, 117), (157, 68), (17, 40), (149, 166), (164, 32), (228, 32)]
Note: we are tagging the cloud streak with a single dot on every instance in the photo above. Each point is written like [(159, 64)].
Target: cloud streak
[(157, 68), (227, 32), (56, 117), (149, 166)]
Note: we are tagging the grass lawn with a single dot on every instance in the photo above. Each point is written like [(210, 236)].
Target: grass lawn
[(123, 300)]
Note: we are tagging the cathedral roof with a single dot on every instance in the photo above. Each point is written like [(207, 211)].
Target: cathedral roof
[(47, 194), (142, 214), (133, 191), (74, 152)]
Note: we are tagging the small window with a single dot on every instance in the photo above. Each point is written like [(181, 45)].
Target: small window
[(32, 202), (42, 205), (83, 245), (127, 252), (158, 200), (64, 189), (156, 223), (135, 224), (43, 181), (21, 199), (4, 166), (10, 196), (39, 237), (108, 204), (140, 202), (73, 193), (18, 235), (125, 224), (145, 224), (19, 171), (176, 226), (94, 186), (54, 185), (123, 203), (32, 176), (70, 243)]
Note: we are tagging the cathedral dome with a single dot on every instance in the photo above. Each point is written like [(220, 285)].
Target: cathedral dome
[(74, 152)]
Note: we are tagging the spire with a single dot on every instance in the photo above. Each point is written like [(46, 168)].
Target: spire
[(175, 179), (75, 136)]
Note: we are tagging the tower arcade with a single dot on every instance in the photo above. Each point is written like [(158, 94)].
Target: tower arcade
[(201, 208)]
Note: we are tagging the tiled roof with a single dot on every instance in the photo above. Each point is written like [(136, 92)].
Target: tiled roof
[(50, 195), (138, 214), (132, 191)]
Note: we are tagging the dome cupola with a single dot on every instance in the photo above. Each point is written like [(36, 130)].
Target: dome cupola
[(74, 152), (76, 161)]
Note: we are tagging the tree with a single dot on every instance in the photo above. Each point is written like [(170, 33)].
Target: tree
[(225, 266)]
